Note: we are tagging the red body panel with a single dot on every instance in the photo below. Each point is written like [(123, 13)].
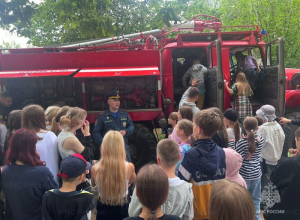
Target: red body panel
[(292, 98), (66, 60)]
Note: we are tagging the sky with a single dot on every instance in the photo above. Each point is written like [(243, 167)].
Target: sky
[(8, 37)]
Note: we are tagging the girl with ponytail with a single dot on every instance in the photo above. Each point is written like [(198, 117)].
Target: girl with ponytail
[(232, 125), (249, 147), (184, 130), (152, 189), (68, 143)]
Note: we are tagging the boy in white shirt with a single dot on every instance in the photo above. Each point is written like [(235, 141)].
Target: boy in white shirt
[(274, 137), (181, 197)]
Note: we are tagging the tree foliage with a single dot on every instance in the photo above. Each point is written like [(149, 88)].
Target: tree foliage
[(278, 18), (9, 45)]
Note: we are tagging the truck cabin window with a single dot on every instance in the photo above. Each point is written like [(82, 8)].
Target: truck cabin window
[(182, 60)]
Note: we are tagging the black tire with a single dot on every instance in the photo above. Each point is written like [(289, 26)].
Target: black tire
[(289, 131), (142, 144)]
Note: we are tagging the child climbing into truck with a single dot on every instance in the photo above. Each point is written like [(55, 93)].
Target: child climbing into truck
[(197, 71), (241, 91)]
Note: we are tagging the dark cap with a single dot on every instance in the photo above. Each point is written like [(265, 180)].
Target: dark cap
[(113, 94), (231, 114), (73, 166)]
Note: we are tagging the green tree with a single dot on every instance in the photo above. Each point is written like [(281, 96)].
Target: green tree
[(9, 45), (278, 18)]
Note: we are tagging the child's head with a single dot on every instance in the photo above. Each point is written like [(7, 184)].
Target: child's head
[(206, 123), (22, 147), (33, 118), (230, 119), (242, 84), (173, 118), (55, 121), (185, 112), (152, 187), (250, 125), (113, 146), (241, 78), (50, 113), (193, 94), (75, 117), (297, 138), (112, 166), (14, 120), (73, 169), (167, 153), (222, 130), (267, 113), (184, 129), (260, 121), (230, 201)]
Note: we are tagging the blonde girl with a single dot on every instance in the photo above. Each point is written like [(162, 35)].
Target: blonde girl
[(68, 143), (184, 130), (250, 148), (50, 113), (230, 201), (241, 91), (112, 176)]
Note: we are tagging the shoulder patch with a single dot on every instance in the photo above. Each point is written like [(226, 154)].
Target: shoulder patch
[(86, 192)]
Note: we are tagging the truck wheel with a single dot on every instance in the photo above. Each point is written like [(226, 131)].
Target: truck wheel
[(142, 144), (289, 131)]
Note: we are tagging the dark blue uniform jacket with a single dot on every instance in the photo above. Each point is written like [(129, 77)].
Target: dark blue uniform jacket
[(107, 121)]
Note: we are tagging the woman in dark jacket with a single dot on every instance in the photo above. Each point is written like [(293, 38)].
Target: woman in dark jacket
[(25, 178)]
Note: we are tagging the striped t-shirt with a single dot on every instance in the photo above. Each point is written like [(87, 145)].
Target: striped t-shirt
[(250, 169)]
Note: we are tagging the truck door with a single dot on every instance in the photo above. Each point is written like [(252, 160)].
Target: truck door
[(274, 76), (214, 77)]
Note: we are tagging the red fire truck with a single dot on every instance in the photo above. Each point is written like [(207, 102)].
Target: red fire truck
[(147, 69)]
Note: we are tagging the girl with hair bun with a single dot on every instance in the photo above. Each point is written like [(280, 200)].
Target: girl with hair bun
[(152, 189), (68, 143), (55, 121), (249, 148)]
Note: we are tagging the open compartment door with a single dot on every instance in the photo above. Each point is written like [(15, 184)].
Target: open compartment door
[(214, 83), (274, 76)]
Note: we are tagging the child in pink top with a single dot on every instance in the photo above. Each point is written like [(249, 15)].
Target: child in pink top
[(233, 164), (184, 112)]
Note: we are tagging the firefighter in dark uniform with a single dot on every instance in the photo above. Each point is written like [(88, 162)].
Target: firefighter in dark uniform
[(113, 119)]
